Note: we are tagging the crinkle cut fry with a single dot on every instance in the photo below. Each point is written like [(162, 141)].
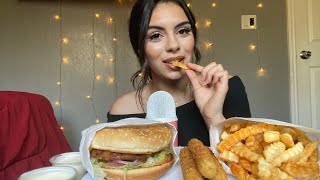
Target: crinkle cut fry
[(243, 134), (207, 164), (306, 170), (188, 166)]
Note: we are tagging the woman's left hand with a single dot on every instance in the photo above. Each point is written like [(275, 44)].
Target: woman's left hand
[(210, 86)]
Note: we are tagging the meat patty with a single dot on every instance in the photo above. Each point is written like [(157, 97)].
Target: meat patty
[(110, 156)]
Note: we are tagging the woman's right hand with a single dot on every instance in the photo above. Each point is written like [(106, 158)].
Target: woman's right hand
[(210, 86)]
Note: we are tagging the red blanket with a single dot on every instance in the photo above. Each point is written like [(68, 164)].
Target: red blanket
[(29, 134)]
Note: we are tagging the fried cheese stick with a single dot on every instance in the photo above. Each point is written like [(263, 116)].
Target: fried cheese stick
[(207, 164), (188, 166)]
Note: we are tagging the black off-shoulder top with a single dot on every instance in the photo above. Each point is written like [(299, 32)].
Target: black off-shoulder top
[(190, 121)]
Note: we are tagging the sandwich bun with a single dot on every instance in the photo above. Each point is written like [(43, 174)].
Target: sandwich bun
[(133, 139), (149, 173)]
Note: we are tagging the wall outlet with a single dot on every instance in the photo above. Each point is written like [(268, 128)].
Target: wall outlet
[(248, 22)]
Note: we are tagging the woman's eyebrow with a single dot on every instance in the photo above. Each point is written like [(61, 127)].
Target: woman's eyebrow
[(161, 28)]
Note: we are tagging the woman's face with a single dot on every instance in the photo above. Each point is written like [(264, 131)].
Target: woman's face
[(169, 37)]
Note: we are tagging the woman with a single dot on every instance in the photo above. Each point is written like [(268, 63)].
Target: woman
[(162, 31)]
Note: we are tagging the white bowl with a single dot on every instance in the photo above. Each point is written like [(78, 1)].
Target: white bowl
[(50, 173), (71, 159)]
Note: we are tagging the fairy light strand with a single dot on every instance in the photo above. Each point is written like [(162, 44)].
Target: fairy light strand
[(115, 53), (60, 66), (94, 16), (258, 45)]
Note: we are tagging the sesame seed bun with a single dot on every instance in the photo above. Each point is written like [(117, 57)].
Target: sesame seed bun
[(133, 139)]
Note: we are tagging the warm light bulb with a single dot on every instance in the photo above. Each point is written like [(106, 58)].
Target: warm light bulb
[(111, 59), (61, 127), (91, 34), (65, 60), (98, 55), (261, 72), (252, 47), (110, 80), (110, 20), (213, 4), (97, 120), (57, 103), (65, 40), (114, 39), (260, 5), (208, 23), (56, 17), (98, 77), (140, 74), (88, 97), (97, 15), (189, 5), (208, 45), (59, 83)]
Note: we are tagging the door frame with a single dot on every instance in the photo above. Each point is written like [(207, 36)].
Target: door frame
[(292, 62)]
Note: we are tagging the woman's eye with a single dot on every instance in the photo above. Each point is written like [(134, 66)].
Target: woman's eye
[(184, 31), (154, 36)]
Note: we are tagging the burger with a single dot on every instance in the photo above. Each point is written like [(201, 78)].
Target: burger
[(131, 153)]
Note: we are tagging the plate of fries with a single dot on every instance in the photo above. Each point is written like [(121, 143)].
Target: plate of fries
[(254, 148)]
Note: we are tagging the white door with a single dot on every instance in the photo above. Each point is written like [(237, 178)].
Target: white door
[(304, 36)]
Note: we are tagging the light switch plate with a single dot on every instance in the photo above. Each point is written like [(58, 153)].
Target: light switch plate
[(248, 22)]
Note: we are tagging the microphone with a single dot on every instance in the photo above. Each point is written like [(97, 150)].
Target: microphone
[(161, 107)]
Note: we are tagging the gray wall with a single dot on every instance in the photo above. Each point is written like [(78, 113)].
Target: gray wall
[(29, 54)]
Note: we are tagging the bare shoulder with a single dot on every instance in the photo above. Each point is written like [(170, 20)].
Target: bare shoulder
[(125, 104)]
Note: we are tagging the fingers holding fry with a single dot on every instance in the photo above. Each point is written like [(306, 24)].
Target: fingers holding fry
[(206, 163), (188, 166)]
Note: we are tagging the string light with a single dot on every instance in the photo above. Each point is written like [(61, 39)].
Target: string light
[(98, 77), (98, 55), (65, 60), (97, 15), (91, 34), (261, 72), (65, 40), (110, 20), (57, 103), (97, 121), (56, 17), (189, 5), (208, 45), (208, 23), (197, 24), (88, 97), (110, 80), (252, 47), (59, 83), (214, 4), (260, 5), (111, 59), (140, 74), (114, 39)]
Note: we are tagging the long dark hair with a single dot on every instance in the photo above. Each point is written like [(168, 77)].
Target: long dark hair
[(138, 27)]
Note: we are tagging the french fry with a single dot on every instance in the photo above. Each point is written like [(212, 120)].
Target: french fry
[(306, 170), (288, 154), (179, 64), (277, 174), (284, 129), (264, 168), (301, 137), (224, 135), (229, 156), (287, 140), (254, 145), (244, 152), (243, 134), (188, 166), (309, 148), (246, 164), (273, 150), (240, 172), (271, 136), (314, 156)]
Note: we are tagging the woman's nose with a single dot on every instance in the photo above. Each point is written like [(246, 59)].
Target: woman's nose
[(173, 44)]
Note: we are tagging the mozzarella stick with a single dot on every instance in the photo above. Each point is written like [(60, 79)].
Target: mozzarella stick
[(188, 166), (207, 164)]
